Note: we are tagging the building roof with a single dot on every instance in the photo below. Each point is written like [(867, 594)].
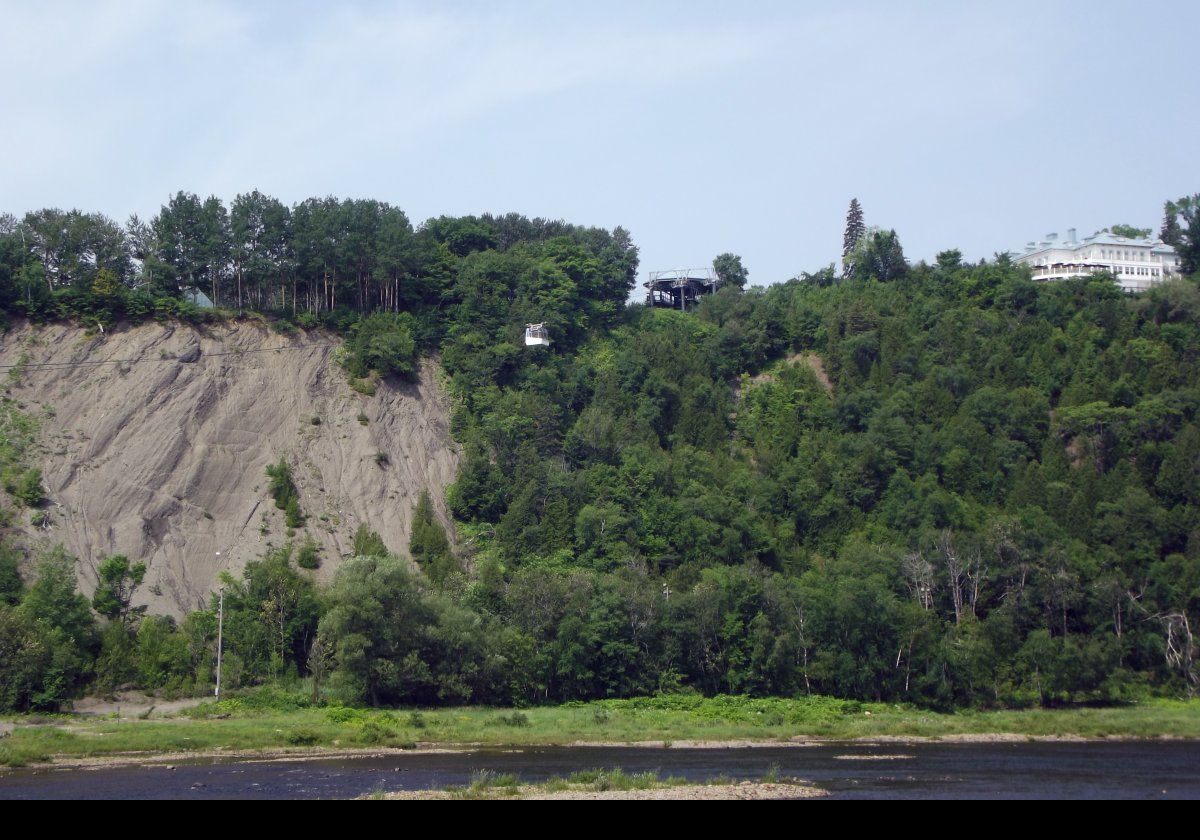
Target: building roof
[(1103, 237)]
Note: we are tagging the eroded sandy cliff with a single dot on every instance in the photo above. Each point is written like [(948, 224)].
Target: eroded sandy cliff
[(159, 452)]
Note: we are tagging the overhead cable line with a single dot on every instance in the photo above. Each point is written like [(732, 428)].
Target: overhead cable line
[(54, 365)]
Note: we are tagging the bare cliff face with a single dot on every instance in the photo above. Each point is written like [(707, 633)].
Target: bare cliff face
[(160, 452)]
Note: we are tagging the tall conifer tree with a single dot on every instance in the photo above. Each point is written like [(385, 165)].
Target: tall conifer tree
[(1170, 226), (854, 231)]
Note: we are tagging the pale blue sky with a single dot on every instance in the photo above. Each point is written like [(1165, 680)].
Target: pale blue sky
[(701, 127)]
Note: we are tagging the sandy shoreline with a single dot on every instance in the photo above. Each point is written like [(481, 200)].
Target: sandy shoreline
[(738, 790)]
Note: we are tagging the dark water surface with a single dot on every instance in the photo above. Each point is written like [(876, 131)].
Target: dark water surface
[(1135, 770)]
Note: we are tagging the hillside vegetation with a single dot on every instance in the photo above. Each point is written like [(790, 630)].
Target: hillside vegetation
[(951, 487)]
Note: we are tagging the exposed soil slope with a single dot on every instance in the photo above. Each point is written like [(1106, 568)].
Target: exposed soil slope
[(161, 456)]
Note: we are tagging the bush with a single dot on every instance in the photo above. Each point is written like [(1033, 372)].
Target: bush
[(292, 514), (302, 737), (283, 490), (309, 555), (281, 486), (375, 731), (264, 699), (367, 543), (366, 387), (518, 720), (28, 490), (346, 714)]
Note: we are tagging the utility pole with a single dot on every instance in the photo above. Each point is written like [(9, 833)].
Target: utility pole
[(220, 633)]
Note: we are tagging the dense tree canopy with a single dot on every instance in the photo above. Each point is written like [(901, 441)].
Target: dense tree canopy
[(324, 260)]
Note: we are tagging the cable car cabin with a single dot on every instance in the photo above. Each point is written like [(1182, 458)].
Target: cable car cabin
[(536, 336)]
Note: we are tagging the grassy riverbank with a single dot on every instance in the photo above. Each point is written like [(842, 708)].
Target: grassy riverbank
[(612, 784), (268, 723)]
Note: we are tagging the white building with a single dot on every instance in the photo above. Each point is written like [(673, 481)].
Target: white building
[(1137, 264)]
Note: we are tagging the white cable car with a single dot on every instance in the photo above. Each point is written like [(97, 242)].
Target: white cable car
[(536, 335)]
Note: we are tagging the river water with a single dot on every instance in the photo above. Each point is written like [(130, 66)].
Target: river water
[(1101, 770)]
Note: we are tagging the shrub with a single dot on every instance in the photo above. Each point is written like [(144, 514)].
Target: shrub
[(292, 514), (344, 714), (28, 490), (283, 490), (281, 486), (309, 555), (518, 720), (302, 737), (366, 387), (375, 731), (367, 543)]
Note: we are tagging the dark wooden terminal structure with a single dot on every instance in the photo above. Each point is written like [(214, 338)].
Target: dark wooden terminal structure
[(680, 288)]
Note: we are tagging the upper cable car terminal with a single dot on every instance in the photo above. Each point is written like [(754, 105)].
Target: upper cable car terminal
[(680, 288)]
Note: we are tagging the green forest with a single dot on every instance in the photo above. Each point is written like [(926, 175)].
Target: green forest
[(938, 483)]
